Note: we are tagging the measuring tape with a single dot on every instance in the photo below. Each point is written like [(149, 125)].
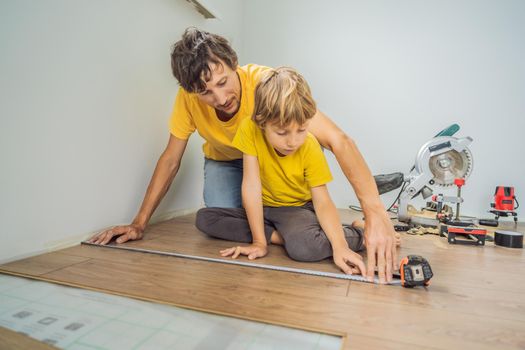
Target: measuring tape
[(343, 276)]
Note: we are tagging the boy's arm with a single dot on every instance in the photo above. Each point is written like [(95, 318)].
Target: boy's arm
[(252, 198), (379, 231), (252, 202), (331, 224)]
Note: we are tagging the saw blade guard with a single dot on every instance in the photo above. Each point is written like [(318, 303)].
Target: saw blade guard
[(445, 158), (438, 162)]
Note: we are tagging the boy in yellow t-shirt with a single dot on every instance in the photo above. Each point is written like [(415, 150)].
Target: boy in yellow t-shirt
[(284, 190)]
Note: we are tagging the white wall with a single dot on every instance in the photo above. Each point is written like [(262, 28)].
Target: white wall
[(85, 96), (86, 92), (394, 73)]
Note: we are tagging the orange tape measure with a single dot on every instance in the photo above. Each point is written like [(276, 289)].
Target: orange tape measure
[(415, 271)]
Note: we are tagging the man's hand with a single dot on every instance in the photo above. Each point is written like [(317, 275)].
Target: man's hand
[(380, 244), (253, 251), (126, 232), (349, 261)]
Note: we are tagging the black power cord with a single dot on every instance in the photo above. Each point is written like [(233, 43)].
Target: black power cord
[(390, 208)]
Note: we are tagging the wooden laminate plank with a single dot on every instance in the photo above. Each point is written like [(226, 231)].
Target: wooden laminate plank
[(17, 341), (155, 263), (41, 264), (182, 237)]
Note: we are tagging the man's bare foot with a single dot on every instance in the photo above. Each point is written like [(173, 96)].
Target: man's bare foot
[(361, 224), (276, 238)]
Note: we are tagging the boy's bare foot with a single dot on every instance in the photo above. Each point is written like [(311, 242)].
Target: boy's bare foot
[(276, 238), (361, 224)]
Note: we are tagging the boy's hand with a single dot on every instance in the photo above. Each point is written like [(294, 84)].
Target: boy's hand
[(349, 261), (253, 251)]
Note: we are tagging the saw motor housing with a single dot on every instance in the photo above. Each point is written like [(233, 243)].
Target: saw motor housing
[(438, 163)]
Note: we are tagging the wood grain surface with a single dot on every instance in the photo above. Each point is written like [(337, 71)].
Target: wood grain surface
[(10, 340), (475, 300)]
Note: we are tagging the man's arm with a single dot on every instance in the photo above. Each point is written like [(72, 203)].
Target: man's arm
[(165, 171), (252, 202), (379, 231)]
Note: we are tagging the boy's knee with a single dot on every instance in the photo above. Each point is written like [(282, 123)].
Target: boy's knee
[(203, 220), (354, 237), (303, 251)]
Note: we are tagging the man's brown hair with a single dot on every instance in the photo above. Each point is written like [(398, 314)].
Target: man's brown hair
[(192, 55), (283, 95)]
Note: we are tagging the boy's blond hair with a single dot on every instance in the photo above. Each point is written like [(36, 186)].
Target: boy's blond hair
[(283, 96)]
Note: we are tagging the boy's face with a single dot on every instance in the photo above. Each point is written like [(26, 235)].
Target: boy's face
[(286, 139), (223, 89)]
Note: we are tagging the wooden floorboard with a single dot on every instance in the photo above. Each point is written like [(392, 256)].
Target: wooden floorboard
[(10, 340), (43, 263), (181, 236), (475, 299)]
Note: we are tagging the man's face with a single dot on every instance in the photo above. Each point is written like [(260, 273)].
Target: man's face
[(223, 89), (286, 139)]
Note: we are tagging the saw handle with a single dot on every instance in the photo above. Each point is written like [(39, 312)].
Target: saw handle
[(448, 131)]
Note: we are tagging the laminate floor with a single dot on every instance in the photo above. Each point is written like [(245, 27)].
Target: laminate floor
[(475, 299)]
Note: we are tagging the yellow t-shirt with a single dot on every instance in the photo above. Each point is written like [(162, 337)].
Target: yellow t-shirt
[(190, 114), (286, 181)]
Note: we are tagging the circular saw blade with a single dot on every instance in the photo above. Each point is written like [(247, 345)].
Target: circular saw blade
[(450, 165)]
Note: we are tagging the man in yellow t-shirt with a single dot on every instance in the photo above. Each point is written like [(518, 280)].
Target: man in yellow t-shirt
[(284, 183), (215, 96), (222, 161)]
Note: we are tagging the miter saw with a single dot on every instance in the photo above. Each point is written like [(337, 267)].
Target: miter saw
[(439, 162)]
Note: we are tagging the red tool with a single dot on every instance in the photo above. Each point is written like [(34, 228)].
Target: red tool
[(503, 205), (456, 233)]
